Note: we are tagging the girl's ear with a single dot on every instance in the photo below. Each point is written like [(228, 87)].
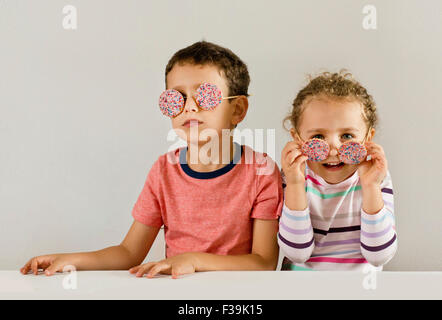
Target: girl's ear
[(295, 135), (370, 134)]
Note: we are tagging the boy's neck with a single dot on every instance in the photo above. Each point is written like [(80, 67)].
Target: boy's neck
[(203, 158)]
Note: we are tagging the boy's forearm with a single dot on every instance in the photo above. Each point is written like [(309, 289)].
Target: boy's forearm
[(111, 258), (372, 201), (213, 262), (295, 197)]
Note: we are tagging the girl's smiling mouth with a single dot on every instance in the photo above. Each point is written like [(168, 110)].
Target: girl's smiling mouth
[(333, 166)]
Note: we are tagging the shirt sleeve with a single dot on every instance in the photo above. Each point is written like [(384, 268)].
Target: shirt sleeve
[(378, 231), (268, 185), (295, 236), (147, 209)]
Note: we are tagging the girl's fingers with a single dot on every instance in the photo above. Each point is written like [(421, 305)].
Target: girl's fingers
[(300, 160), (291, 155), (373, 147)]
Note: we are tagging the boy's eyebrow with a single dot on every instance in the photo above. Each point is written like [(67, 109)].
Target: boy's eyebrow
[(181, 88)]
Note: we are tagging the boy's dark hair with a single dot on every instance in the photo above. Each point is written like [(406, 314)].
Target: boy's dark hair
[(207, 53)]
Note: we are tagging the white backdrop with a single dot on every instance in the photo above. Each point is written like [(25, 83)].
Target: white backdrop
[(80, 126)]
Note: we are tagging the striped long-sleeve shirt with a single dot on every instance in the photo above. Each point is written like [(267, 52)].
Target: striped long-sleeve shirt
[(334, 232)]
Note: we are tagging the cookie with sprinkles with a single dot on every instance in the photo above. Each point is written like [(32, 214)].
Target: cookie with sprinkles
[(171, 103), (315, 149), (208, 96), (352, 152)]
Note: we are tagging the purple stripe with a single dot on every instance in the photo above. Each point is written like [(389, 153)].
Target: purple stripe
[(335, 230), (381, 247), (375, 234), (294, 231), (331, 243), (387, 190), (296, 245)]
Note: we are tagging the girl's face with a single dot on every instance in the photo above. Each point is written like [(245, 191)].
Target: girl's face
[(335, 121)]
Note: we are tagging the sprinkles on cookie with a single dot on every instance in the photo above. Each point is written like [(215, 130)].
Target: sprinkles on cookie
[(208, 96), (316, 149), (171, 103), (352, 152)]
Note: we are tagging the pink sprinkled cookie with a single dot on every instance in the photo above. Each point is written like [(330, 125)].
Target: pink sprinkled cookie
[(352, 152), (171, 103), (316, 149), (208, 96)]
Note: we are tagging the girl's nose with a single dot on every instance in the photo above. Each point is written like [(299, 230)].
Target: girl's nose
[(334, 147)]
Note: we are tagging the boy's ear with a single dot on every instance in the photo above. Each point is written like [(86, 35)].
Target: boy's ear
[(241, 105)]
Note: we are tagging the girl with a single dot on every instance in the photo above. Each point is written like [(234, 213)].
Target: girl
[(337, 213)]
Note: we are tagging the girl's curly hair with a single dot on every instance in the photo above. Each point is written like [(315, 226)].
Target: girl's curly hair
[(341, 85)]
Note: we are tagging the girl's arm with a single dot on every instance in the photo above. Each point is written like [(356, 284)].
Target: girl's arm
[(378, 232), (295, 236)]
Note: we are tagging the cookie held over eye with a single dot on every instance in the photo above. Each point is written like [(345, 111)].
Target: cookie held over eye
[(352, 152), (315, 149), (208, 96), (171, 103)]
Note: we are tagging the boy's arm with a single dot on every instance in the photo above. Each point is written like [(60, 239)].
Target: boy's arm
[(130, 252), (264, 256)]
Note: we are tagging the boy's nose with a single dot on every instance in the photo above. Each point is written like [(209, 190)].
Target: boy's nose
[(191, 105)]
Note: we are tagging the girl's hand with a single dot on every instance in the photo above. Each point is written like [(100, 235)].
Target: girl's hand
[(293, 163), (176, 265), (373, 171), (49, 263)]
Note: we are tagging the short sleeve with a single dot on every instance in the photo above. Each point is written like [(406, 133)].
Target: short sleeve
[(147, 209), (269, 195)]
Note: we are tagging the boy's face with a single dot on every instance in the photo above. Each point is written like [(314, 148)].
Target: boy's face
[(186, 78), (336, 122)]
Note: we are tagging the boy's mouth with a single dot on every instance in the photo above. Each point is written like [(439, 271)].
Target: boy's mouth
[(333, 166), (192, 122)]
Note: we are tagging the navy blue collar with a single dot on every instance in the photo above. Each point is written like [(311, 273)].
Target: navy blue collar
[(211, 174)]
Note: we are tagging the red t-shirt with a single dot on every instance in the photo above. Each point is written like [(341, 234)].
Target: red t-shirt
[(210, 211)]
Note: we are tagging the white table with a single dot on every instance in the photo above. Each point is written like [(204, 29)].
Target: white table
[(233, 285)]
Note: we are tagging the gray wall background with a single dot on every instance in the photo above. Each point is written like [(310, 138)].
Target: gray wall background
[(80, 126)]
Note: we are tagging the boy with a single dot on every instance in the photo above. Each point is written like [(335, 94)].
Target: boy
[(218, 214)]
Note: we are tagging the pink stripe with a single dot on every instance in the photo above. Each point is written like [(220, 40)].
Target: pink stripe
[(336, 260), (313, 179)]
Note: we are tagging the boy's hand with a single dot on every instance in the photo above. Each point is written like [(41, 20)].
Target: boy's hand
[(293, 163), (176, 265), (49, 263), (373, 171)]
